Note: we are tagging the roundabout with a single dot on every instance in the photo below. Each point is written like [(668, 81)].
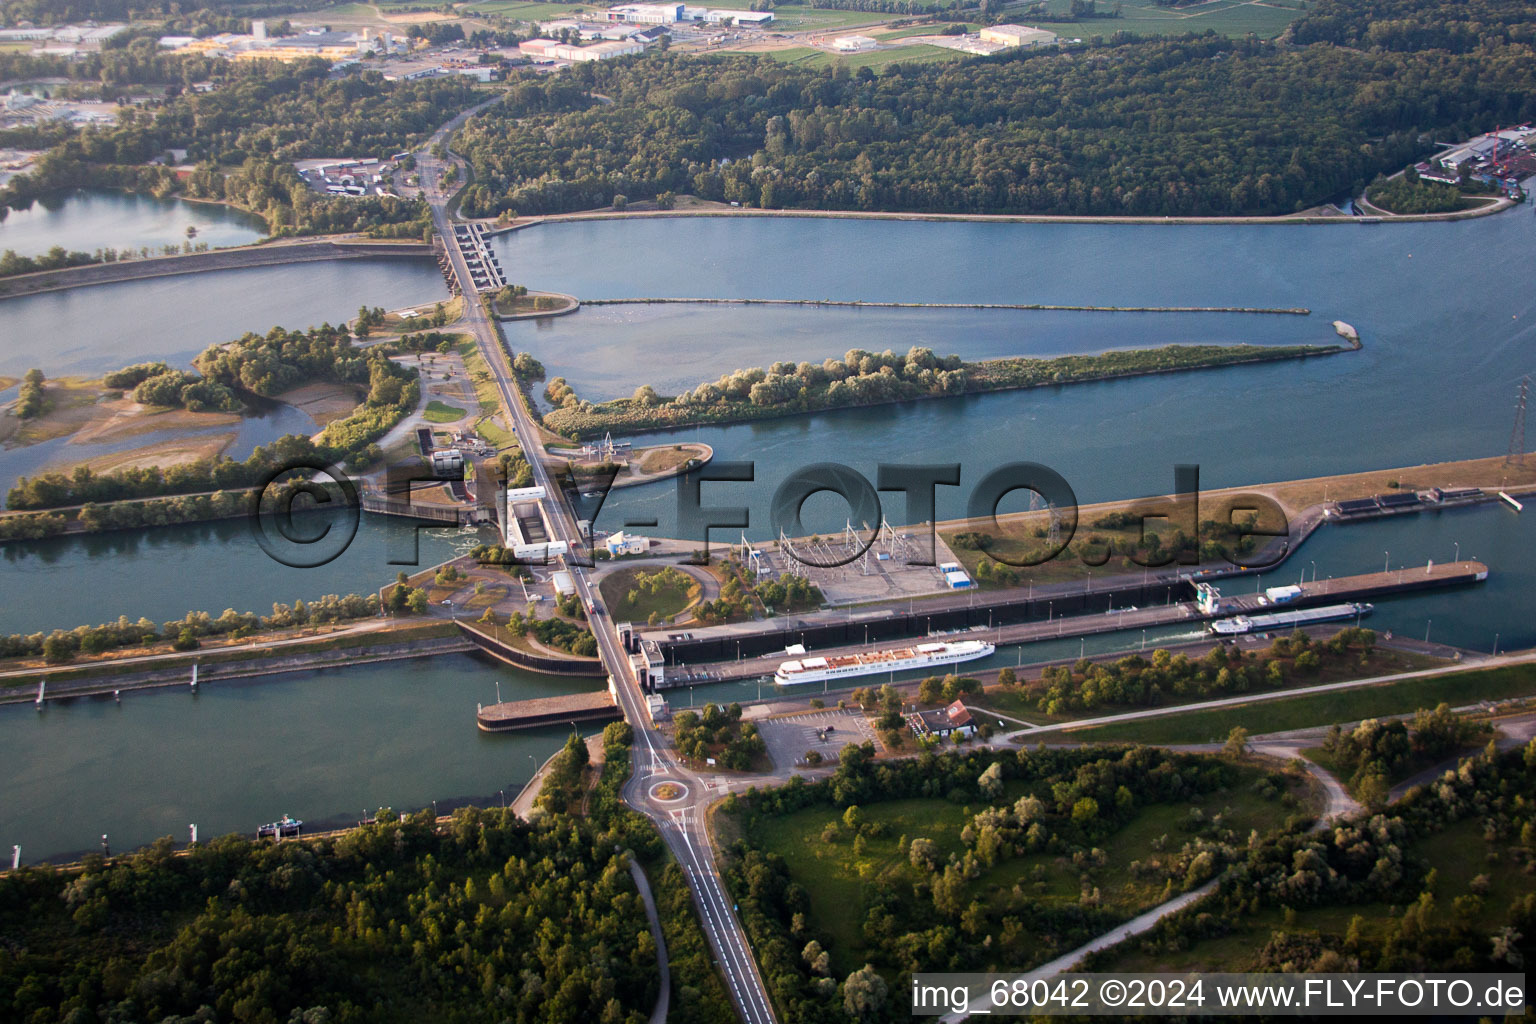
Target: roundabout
[(667, 792)]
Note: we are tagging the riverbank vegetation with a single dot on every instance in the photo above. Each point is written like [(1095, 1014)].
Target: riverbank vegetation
[(30, 396), (258, 365), (63, 645), (1127, 126), (989, 860), (863, 378), (1135, 681), (1442, 877)]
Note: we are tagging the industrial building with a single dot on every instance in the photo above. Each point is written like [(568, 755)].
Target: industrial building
[(853, 44), (748, 18), (553, 49), (1017, 35), (525, 531), (955, 577), (646, 14)]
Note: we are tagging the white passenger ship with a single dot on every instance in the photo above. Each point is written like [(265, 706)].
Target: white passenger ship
[(899, 659)]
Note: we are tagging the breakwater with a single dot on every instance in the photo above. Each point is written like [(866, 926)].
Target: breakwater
[(271, 254), (1037, 306)]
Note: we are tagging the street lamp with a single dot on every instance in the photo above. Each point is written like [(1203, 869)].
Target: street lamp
[(1458, 550), (1386, 561)]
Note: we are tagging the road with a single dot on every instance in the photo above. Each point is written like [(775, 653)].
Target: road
[(680, 818)]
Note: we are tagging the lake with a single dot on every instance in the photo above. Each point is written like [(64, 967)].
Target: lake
[(84, 220)]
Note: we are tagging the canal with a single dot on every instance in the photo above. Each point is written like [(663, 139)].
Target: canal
[(323, 746)]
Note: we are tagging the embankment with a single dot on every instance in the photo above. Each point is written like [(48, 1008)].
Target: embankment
[(270, 254), (103, 678), (1037, 306)]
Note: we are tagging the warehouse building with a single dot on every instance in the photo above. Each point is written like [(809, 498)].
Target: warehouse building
[(1017, 35)]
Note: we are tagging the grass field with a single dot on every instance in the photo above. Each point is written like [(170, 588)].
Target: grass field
[(798, 19), (1227, 17), (920, 30), (487, 426), (806, 56), (1321, 709), (837, 880), (617, 587), (440, 412), (526, 11)]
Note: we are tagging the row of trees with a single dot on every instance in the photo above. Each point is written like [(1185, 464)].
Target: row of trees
[(874, 378), (1134, 680), (1169, 127), (63, 645)]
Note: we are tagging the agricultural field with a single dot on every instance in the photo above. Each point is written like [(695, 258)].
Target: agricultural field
[(803, 19), (1227, 17), (526, 11), (876, 59)]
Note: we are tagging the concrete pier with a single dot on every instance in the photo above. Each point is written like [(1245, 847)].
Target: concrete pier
[(541, 711)]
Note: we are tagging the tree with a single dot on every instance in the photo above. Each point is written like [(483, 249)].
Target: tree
[(864, 993), (1237, 742), (990, 781), (1007, 677), (923, 854)]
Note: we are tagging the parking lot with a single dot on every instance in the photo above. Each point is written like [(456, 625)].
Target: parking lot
[(789, 738)]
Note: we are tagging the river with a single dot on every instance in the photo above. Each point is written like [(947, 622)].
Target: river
[(85, 220), (1445, 312)]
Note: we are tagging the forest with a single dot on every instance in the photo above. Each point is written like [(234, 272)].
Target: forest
[(1189, 126), (484, 918), (243, 135)]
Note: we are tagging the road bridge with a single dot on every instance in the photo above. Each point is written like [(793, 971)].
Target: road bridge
[(682, 828)]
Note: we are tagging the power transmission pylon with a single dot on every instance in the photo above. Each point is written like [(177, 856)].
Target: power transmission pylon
[(1516, 454)]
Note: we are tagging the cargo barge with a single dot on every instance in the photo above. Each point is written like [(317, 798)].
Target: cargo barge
[(1239, 624)]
